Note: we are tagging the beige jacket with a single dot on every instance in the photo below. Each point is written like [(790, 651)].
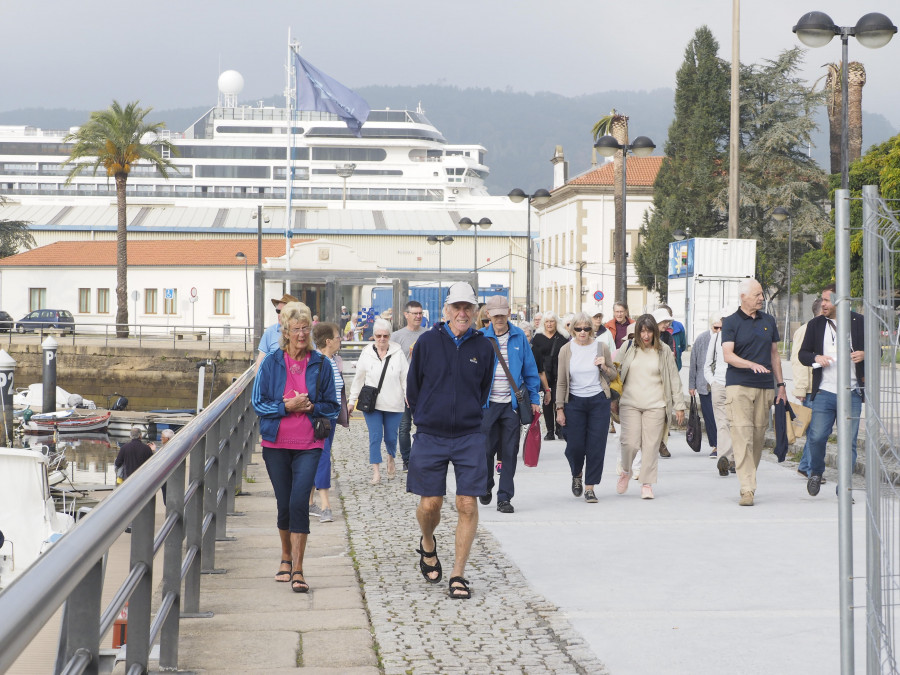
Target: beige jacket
[(802, 374), (672, 393), (607, 372)]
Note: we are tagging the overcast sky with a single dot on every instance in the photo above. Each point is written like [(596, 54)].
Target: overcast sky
[(168, 53)]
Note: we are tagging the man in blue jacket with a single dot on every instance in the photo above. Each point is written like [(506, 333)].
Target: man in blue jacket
[(448, 385), (501, 425)]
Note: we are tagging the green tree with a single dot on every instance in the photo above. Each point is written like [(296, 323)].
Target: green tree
[(116, 139), (14, 235), (691, 174)]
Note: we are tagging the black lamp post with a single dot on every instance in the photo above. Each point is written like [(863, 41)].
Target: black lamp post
[(874, 30), (440, 240), (484, 223), (539, 198), (258, 287), (640, 147), (240, 256)]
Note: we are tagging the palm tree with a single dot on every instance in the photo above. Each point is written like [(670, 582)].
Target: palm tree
[(115, 139), (856, 80), (616, 125)]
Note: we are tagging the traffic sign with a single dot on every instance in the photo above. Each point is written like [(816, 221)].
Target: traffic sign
[(170, 293), (194, 292), (598, 295)]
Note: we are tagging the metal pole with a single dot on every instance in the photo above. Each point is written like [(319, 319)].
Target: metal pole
[(787, 313), (845, 475), (623, 282), (845, 116), (735, 123), (258, 282), (440, 274), (872, 261), (475, 268), (49, 347), (528, 267), (247, 290), (7, 387)]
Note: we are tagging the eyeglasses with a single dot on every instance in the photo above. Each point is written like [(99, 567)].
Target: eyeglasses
[(582, 329), (382, 337), (485, 322), (299, 331), (415, 313), (717, 327), (278, 311)]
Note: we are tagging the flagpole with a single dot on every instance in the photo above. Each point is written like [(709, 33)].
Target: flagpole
[(289, 177)]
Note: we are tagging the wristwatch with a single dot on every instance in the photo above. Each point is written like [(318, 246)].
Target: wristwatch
[(779, 384)]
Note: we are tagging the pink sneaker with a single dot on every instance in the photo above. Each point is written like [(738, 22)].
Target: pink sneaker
[(622, 483), (646, 491)]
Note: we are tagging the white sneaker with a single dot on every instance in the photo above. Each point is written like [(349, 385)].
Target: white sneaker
[(315, 510)]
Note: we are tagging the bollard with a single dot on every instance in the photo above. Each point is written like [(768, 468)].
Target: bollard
[(49, 376), (7, 387), (120, 628)]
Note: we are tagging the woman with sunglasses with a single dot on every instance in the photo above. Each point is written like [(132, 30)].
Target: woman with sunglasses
[(584, 371), (698, 385), (383, 422)]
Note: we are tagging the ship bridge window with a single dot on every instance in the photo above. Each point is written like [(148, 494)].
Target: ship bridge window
[(229, 152), (246, 129), (62, 149), (300, 173), (375, 132), (420, 155), (349, 154), (361, 172), (300, 153), (215, 171)]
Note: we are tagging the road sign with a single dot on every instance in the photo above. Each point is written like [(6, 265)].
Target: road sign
[(169, 293), (194, 292), (135, 295), (598, 295)]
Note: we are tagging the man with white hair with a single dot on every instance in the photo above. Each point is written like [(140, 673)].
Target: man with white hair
[(750, 348), (133, 453)]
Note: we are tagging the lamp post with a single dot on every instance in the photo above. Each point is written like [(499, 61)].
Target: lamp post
[(240, 256), (484, 223), (781, 214), (258, 286), (874, 30), (440, 240), (345, 171), (640, 147), (539, 198)]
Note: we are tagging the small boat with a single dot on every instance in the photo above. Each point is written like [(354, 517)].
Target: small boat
[(33, 397), (66, 422), (29, 522)]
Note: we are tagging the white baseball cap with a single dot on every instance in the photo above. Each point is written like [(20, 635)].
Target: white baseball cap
[(461, 292)]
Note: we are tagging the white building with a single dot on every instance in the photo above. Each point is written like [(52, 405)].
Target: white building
[(576, 242)]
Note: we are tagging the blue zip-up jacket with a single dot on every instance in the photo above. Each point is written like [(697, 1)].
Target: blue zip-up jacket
[(520, 361), (447, 386), (268, 392)]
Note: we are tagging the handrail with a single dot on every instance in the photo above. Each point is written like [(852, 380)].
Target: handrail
[(225, 434), (139, 333)]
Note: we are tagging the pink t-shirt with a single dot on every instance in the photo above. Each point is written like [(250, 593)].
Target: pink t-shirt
[(295, 431)]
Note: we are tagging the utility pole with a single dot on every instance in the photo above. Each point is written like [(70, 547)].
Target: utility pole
[(734, 190)]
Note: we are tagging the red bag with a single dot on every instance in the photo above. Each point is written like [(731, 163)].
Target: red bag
[(533, 442)]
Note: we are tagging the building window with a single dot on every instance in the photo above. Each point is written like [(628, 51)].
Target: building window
[(170, 303), (102, 301), (223, 301), (84, 300), (37, 298), (149, 301)]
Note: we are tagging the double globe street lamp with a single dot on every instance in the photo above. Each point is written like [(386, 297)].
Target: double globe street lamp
[(640, 147), (484, 223), (539, 198), (440, 240)]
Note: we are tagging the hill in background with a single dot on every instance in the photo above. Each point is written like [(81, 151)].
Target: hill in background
[(520, 131)]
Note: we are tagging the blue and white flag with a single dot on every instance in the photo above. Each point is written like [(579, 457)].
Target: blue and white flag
[(317, 91)]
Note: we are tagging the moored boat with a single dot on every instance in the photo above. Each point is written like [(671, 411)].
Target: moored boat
[(66, 422)]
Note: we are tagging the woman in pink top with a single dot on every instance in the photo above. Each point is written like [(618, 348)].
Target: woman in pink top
[(294, 385)]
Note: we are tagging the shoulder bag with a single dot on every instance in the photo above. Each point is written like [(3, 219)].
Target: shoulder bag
[(522, 400), (321, 425), (368, 395)]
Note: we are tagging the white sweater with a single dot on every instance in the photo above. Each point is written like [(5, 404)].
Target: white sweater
[(368, 371)]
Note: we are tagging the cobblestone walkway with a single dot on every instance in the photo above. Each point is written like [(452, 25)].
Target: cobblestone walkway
[(505, 628)]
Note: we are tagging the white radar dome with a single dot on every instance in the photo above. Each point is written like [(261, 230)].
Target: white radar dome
[(231, 82)]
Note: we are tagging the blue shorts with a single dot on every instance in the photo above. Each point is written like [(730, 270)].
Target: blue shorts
[(428, 460)]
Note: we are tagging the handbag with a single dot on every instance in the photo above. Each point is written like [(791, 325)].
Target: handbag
[(321, 425), (526, 415), (694, 433), (368, 395), (800, 423), (533, 443), (120, 474)]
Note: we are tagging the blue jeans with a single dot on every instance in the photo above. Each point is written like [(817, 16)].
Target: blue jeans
[(824, 414), (405, 439), (709, 419), (502, 431), (292, 473), (382, 425), (323, 472), (803, 467), (587, 427)]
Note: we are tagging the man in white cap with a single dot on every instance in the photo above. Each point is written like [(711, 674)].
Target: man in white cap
[(272, 334), (501, 425), (447, 388)]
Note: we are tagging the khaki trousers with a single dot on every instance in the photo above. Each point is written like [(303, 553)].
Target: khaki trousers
[(642, 431), (723, 432), (748, 415)]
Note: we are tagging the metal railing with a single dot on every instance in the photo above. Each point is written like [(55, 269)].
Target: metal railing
[(881, 261), (211, 452), (139, 335)]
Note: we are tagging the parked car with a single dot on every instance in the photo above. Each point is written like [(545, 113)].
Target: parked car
[(60, 319), (6, 322)]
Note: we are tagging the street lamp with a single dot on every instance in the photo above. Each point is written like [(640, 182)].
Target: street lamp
[(539, 198), (781, 214), (874, 30), (240, 256), (345, 171), (640, 147), (258, 285), (679, 234), (484, 223), (440, 240)]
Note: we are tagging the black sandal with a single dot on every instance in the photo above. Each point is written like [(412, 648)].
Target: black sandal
[(299, 586), (285, 573), (427, 569), (461, 590)]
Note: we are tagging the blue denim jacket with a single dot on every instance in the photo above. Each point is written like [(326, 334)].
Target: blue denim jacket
[(521, 363)]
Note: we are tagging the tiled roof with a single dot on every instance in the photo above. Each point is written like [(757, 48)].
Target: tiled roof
[(168, 252), (641, 171)]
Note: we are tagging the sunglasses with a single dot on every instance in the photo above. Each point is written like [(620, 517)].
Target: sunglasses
[(582, 329), (717, 327), (278, 311)]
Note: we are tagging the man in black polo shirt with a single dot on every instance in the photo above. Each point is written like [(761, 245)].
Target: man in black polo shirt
[(749, 346)]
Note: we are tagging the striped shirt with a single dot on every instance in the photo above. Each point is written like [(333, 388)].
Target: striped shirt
[(501, 391), (338, 380)]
